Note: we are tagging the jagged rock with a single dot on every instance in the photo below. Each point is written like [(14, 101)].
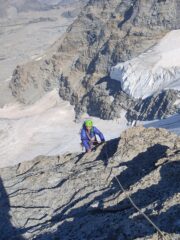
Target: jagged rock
[(105, 33), (157, 106), (105, 100), (76, 196)]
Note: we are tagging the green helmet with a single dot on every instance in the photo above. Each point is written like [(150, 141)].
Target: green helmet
[(88, 123)]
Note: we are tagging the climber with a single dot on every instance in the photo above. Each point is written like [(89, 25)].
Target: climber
[(88, 135)]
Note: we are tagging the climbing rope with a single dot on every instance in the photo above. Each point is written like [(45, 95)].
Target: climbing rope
[(163, 237)]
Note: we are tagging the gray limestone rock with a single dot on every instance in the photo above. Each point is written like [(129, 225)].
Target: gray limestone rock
[(106, 100), (77, 196), (157, 106)]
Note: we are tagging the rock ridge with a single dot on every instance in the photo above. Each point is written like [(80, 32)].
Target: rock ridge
[(75, 196)]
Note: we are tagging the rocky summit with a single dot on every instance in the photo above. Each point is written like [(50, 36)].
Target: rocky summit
[(78, 196), (105, 33)]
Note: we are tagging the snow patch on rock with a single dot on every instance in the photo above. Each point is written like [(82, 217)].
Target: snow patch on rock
[(155, 70)]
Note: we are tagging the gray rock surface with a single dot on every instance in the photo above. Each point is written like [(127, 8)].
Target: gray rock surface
[(26, 20), (157, 106), (76, 196), (105, 33), (105, 100), (27, 29)]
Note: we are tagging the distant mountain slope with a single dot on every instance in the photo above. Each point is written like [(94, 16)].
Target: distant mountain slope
[(104, 34), (33, 5), (27, 29)]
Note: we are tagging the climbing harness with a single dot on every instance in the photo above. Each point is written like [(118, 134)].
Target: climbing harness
[(92, 141)]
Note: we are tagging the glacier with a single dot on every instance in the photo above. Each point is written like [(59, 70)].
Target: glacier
[(155, 70)]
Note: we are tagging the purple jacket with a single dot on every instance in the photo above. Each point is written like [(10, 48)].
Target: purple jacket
[(85, 139)]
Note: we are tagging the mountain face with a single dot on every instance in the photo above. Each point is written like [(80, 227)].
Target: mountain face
[(154, 78), (104, 34), (157, 106), (76, 196), (153, 71), (23, 5), (27, 30)]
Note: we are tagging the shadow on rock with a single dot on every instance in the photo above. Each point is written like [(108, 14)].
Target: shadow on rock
[(79, 157), (168, 221), (117, 221), (108, 150), (112, 86), (141, 165), (158, 194), (7, 230)]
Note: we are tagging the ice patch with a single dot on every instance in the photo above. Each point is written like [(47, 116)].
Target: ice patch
[(153, 71)]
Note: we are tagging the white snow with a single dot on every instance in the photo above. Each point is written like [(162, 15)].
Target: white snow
[(152, 71), (48, 128), (45, 128), (177, 102)]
